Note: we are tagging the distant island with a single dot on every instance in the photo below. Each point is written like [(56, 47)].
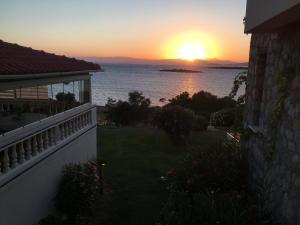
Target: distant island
[(228, 67), (180, 71)]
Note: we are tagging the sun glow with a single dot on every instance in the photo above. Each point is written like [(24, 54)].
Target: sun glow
[(191, 52), (191, 46)]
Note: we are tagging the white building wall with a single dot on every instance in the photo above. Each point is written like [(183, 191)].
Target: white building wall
[(27, 190), (29, 197)]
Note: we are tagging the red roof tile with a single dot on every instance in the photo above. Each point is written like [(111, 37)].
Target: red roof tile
[(16, 59)]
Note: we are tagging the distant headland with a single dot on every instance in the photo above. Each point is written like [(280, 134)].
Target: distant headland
[(180, 71), (228, 67)]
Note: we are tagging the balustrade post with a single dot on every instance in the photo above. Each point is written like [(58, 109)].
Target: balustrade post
[(69, 127), (62, 131), (80, 122), (14, 157), (21, 153), (53, 135), (57, 134), (5, 161), (34, 146), (49, 134), (85, 119), (76, 123), (90, 117), (72, 126), (40, 142), (66, 129), (28, 149), (46, 140)]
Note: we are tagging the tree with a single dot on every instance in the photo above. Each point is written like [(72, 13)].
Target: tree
[(204, 103), (177, 122), (183, 100)]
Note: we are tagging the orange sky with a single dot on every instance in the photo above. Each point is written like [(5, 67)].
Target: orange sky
[(140, 29)]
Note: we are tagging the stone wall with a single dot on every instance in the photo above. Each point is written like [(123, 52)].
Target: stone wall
[(276, 178)]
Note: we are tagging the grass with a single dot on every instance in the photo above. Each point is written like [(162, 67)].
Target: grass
[(136, 158)]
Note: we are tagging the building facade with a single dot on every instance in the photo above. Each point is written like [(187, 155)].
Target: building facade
[(46, 121), (272, 114)]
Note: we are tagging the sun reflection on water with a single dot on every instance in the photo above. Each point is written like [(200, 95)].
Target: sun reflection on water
[(189, 85)]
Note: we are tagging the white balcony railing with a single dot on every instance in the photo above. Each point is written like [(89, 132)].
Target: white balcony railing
[(23, 147)]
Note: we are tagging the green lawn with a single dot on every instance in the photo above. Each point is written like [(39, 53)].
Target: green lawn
[(135, 160)]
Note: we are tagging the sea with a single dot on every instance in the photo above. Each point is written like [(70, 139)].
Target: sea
[(118, 80)]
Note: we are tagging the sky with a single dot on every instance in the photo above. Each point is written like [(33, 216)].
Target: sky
[(149, 29)]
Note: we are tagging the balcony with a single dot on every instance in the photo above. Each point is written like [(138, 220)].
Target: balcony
[(22, 148)]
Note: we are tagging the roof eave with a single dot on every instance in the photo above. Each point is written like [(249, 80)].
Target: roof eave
[(43, 75)]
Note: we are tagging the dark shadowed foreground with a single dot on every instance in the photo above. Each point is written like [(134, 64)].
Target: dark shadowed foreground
[(136, 160)]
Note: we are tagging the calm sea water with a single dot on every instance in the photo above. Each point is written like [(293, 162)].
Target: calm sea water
[(119, 79)]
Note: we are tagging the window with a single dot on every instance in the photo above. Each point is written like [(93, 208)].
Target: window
[(23, 104)]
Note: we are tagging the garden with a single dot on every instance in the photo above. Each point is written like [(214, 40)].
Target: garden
[(164, 166)]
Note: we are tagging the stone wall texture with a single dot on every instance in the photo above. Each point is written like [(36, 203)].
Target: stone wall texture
[(276, 180)]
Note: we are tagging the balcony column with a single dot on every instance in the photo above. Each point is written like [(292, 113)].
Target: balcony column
[(49, 136), (40, 143), (62, 131), (21, 153), (28, 149), (46, 140), (14, 157), (34, 146), (5, 161)]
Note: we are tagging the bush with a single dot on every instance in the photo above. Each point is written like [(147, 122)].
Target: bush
[(79, 190), (177, 122), (223, 118), (226, 102), (201, 123), (209, 187), (118, 112), (135, 110), (183, 100), (204, 103), (216, 167), (207, 208)]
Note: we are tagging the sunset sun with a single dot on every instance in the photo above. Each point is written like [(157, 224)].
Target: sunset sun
[(191, 52), (191, 46)]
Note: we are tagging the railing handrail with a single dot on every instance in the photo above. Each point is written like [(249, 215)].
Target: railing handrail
[(27, 131)]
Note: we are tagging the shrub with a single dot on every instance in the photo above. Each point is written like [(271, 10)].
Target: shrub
[(209, 188), (205, 208), (183, 100), (204, 103), (177, 122), (216, 167), (226, 102), (136, 98), (223, 118), (118, 112), (201, 123), (79, 189), (135, 110)]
